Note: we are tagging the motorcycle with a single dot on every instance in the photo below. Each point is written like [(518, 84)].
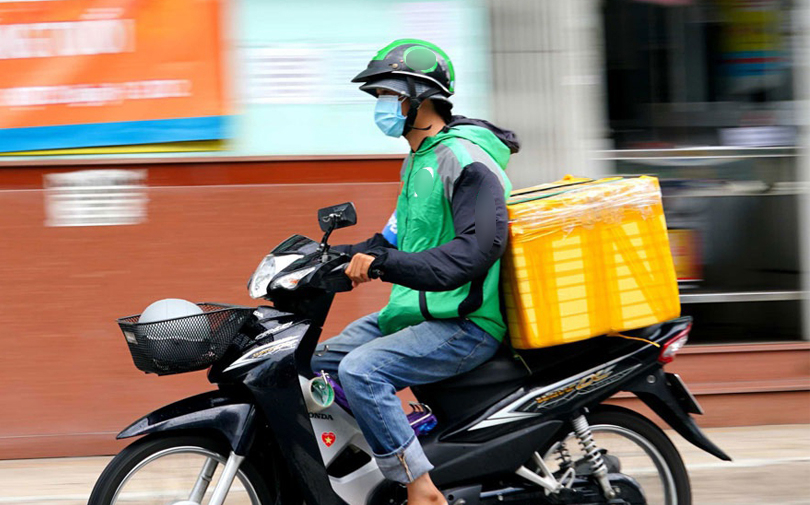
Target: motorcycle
[(274, 431)]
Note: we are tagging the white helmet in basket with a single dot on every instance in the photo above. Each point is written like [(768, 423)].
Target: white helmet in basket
[(171, 308)]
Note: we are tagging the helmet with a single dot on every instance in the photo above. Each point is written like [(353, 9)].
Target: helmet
[(172, 308), (429, 65), (413, 68)]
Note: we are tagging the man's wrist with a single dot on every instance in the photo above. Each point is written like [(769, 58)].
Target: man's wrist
[(376, 268)]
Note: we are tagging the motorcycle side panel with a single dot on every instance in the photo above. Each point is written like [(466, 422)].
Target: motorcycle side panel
[(459, 462), (337, 431), (656, 392), (213, 411)]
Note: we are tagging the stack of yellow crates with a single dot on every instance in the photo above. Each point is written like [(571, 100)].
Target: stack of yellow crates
[(587, 258)]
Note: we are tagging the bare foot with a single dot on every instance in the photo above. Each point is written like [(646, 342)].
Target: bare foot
[(422, 491)]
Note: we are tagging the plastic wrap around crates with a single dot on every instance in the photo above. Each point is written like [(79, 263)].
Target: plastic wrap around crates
[(586, 258), (183, 344)]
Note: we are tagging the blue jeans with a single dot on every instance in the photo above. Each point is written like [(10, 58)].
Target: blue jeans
[(372, 368)]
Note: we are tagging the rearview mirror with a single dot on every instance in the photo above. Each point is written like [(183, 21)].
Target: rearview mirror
[(337, 216)]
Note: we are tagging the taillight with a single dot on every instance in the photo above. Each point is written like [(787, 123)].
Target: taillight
[(674, 345)]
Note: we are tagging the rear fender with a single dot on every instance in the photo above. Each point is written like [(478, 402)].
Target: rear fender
[(656, 392), (212, 411)]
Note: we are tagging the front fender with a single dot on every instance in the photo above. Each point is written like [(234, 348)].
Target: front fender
[(207, 411)]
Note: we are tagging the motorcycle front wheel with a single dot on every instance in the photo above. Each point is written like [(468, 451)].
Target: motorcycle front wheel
[(179, 469), (634, 446)]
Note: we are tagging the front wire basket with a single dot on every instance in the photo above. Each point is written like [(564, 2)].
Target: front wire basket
[(183, 344)]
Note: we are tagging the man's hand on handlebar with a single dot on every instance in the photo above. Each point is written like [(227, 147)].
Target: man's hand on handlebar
[(358, 268)]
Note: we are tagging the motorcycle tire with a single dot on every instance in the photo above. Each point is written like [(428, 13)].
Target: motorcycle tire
[(121, 465), (629, 420)]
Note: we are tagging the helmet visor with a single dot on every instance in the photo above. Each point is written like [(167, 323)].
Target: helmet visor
[(400, 86)]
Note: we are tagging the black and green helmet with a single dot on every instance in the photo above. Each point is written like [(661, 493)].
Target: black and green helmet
[(413, 68), (428, 67)]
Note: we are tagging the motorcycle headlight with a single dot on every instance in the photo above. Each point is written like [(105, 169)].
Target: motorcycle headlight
[(291, 280), (267, 269)]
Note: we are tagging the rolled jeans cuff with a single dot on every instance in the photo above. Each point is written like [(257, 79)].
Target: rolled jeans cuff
[(405, 464)]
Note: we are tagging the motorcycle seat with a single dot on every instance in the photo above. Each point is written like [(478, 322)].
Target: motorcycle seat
[(502, 367)]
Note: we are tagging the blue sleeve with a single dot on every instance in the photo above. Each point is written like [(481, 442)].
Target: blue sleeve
[(390, 230)]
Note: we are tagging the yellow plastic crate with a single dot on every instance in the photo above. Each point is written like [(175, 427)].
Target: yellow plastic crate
[(586, 258), (642, 286)]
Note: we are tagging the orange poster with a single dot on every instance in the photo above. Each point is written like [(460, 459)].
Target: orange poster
[(80, 73), (685, 247)]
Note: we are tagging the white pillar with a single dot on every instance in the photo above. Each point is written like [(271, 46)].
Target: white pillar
[(549, 86)]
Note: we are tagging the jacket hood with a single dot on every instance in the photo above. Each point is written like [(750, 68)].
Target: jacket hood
[(508, 137), (497, 142)]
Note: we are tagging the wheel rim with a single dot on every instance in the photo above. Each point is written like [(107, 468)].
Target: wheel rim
[(168, 476), (654, 477)]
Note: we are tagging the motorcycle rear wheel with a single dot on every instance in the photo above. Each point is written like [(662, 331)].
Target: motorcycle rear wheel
[(164, 469), (631, 437)]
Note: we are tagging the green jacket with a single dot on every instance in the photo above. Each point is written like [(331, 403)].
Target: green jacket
[(452, 229)]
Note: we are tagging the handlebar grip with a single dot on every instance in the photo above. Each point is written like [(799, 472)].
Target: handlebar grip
[(374, 273)]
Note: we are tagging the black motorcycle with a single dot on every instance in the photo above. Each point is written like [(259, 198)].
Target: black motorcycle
[(525, 427)]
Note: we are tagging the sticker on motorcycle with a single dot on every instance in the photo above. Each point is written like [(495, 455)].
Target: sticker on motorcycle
[(579, 386), (328, 438)]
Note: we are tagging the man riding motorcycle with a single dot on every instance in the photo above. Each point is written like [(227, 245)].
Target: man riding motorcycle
[(497, 429), (443, 316)]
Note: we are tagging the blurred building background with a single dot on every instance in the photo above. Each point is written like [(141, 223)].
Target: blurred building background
[(177, 182)]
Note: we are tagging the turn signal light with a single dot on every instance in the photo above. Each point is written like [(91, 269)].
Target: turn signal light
[(674, 345)]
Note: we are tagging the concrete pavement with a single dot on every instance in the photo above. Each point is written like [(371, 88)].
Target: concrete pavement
[(771, 466)]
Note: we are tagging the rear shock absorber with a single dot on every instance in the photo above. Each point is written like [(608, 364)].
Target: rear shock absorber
[(585, 437)]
